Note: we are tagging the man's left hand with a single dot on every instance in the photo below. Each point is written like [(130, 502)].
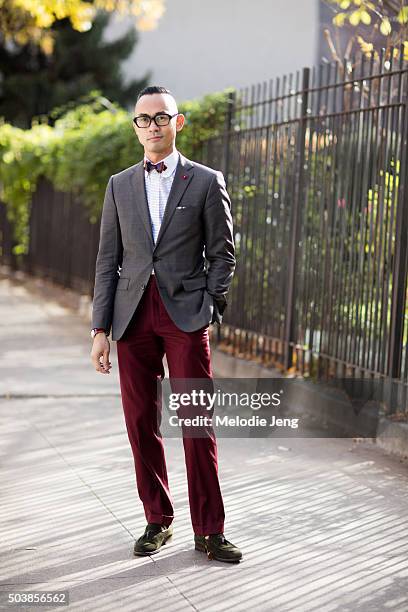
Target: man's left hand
[(220, 304)]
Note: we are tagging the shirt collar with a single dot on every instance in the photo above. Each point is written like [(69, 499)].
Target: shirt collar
[(171, 162)]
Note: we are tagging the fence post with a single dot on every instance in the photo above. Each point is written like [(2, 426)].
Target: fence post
[(400, 262), (226, 156), (290, 335), (227, 134)]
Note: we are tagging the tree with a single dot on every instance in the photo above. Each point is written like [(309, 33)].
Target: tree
[(373, 24), (35, 82), (24, 21)]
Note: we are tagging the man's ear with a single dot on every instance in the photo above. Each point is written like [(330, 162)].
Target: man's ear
[(180, 121)]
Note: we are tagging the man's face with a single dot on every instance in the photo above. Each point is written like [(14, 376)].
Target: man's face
[(158, 140)]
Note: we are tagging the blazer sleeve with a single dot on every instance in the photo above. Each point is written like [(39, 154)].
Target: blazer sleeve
[(219, 242), (109, 258)]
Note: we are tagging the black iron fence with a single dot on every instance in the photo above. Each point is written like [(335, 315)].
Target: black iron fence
[(316, 166), (63, 243)]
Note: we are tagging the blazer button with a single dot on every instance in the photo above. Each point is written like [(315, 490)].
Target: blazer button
[(156, 258), (143, 286)]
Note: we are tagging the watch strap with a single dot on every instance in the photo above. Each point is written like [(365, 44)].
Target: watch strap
[(97, 330)]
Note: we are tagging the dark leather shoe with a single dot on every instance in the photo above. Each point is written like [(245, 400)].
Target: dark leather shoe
[(217, 547), (151, 541)]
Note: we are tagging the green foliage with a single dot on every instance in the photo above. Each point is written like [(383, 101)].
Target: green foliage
[(34, 82), (83, 149), (22, 156), (91, 144)]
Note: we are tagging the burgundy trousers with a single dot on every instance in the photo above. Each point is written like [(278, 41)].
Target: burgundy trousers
[(150, 334)]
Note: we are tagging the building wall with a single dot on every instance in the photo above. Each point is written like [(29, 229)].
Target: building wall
[(202, 47)]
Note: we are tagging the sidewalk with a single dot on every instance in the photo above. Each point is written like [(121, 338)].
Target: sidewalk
[(331, 513)]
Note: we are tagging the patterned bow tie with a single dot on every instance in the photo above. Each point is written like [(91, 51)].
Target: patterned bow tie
[(159, 166)]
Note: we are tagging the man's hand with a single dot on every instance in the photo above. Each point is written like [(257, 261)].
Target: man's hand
[(220, 304), (100, 353)]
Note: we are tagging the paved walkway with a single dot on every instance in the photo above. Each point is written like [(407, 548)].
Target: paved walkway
[(322, 523)]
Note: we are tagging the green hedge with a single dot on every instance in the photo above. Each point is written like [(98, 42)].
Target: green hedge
[(82, 150)]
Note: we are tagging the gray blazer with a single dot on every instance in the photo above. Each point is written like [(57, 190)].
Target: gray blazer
[(197, 225)]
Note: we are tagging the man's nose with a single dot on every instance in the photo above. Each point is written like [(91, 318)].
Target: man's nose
[(153, 127)]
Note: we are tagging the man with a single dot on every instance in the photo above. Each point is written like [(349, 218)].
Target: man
[(161, 219)]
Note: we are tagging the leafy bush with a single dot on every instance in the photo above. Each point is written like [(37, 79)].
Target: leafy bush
[(84, 148)]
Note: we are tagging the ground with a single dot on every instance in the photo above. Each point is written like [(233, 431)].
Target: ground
[(322, 523)]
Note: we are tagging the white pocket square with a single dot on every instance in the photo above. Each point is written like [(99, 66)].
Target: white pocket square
[(180, 207)]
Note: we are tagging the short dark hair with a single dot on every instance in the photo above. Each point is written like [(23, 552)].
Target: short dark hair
[(153, 89)]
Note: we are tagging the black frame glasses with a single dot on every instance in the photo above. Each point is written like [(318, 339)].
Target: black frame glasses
[(166, 119)]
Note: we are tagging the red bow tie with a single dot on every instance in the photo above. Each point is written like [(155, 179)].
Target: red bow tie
[(159, 166)]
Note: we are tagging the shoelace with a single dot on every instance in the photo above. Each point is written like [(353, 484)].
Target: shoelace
[(151, 531), (221, 537)]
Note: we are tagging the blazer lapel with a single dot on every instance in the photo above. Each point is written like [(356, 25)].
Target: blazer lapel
[(182, 177), (137, 181)]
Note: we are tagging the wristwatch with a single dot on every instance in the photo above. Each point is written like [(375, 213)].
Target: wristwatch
[(97, 330)]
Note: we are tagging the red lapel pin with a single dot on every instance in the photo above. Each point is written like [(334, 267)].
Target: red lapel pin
[(185, 176)]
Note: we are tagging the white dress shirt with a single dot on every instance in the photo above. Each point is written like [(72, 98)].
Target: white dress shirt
[(158, 185)]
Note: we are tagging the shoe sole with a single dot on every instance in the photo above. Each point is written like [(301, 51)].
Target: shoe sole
[(211, 555), (153, 552)]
